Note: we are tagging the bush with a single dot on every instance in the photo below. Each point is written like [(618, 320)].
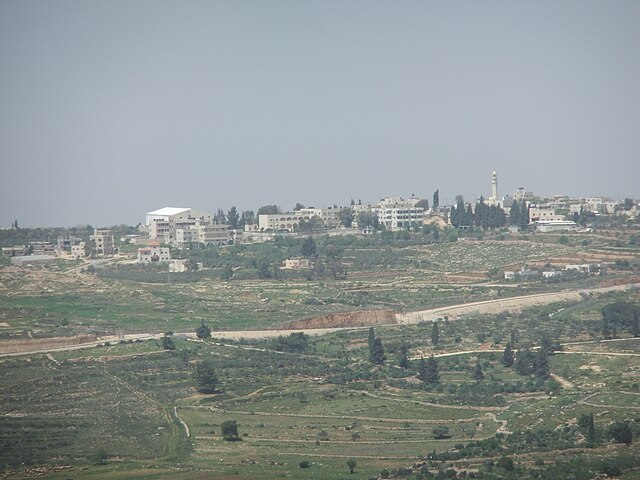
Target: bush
[(304, 464)]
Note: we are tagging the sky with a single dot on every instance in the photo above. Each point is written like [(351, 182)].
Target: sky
[(111, 109)]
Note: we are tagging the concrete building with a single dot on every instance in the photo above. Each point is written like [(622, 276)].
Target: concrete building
[(154, 254), (544, 213), (555, 225), (164, 223), (296, 264), (103, 241), (80, 250), (29, 260), (397, 213), (205, 234), (42, 248), (522, 194), (15, 251)]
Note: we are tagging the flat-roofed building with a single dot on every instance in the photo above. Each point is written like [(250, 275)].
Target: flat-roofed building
[(555, 225), (15, 251), (28, 260), (80, 250), (164, 223), (154, 254), (103, 241), (397, 213)]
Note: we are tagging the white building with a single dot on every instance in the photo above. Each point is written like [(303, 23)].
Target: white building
[(397, 213), (164, 222), (154, 254), (555, 226)]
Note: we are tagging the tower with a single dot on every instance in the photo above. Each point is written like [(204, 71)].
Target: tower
[(494, 186)]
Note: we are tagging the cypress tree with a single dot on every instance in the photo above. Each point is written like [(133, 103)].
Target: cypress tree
[(507, 356), (435, 333), (514, 214), (478, 374), (403, 360), (377, 355), (541, 368), (428, 370), (370, 339)]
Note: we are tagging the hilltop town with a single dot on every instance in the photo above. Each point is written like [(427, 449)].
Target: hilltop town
[(494, 339)]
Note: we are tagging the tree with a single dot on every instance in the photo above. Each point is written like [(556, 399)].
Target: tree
[(203, 331), (248, 218), (264, 269), (233, 218), (220, 217), (168, 343), (403, 360), (428, 370), (308, 248), (621, 432), (205, 376), (524, 215), (478, 374), (377, 355), (587, 425), (435, 333), (514, 213), (314, 224), (371, 336), (346, 216), (505, 463), (230, 431), (507, 355), (351, 463), (298, 206), (440, 432), (524, 361), (364, 219), (295, 342), (227, 273), (436, 199), (269, 210), (541, 368), (424, 203)]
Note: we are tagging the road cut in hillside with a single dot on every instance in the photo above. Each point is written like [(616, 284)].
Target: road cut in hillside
[(512, 304), (26, 347)]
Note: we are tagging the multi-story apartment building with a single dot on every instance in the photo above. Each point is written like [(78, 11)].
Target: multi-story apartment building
[(164, 223), (397, 213), (203, 233), (284, 222), (544, 213), (79, 250), (103, 241)]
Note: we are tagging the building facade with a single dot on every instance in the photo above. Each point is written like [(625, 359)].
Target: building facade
[(103, 241)]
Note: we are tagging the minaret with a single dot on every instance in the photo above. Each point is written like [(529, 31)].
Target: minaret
[(494, 186)]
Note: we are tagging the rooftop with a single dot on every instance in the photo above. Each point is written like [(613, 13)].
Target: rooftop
[(168, 211)]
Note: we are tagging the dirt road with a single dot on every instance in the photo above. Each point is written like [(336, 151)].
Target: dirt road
[(505, 304), (9, 348)]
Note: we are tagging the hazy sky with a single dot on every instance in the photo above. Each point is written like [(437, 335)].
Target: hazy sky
[(110, 109)]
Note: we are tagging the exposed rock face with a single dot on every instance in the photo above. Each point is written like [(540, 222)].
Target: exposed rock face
[(363, 318)]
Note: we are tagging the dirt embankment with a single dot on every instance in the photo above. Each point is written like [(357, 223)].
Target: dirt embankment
[(363, 318), (38, 344)]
